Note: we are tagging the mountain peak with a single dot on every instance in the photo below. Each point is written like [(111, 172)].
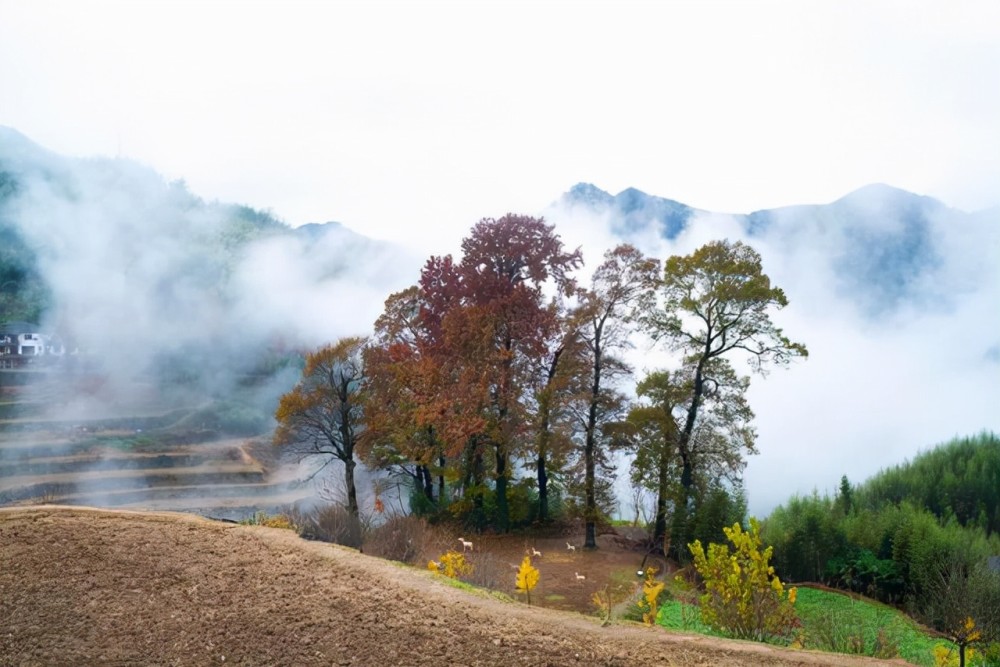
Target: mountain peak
[(17, 149), (877, 196), (587, 193)]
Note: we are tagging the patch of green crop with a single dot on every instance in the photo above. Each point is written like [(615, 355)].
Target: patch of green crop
[(840, 623), (677, 615), (836, 623)]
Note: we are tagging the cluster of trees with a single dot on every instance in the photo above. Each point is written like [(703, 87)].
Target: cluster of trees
[(960, 479), (23, 293), (501, 361), (919, 536)]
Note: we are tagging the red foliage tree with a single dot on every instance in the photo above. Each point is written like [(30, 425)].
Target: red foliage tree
[(489, 321)]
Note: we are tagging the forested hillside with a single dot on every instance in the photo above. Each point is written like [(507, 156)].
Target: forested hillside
[(958, 481), (920, 535), (24, 294)]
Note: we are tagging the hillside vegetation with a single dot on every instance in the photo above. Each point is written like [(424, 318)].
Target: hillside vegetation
[(919, 536)]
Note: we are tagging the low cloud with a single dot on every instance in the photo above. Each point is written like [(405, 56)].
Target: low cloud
[(140, 269), (881, 383)]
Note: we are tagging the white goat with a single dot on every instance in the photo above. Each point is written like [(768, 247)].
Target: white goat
[(466, 545), (570, 547), (536, 552), (580, 577)]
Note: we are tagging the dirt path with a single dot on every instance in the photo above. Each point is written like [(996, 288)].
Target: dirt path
[(81, 586)]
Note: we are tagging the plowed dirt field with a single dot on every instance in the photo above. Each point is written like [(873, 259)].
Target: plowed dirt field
[(82, 586)]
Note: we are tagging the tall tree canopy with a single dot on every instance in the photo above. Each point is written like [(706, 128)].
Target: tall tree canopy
[(500, 329), (716, 302), (404, 395), (721, 436), (552, 408), (459, 356), (321, 416), (652, 436), (621, 286)]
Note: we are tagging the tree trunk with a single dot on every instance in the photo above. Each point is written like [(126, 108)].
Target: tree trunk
[(353, 515), (441, 463), (478, 504), (543, 490), (545, 437), (346, 428), (352, 494), (424, 473), (590, 458), (679, 537), (503, 511), (662, 492)]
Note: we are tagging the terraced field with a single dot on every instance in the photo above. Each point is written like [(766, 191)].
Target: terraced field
[(61, 445)]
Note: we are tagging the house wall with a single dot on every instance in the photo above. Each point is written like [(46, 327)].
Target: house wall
[(19, 349)]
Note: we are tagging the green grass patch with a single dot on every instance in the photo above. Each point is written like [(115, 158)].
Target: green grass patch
[(835, 623), (676, 615), (840, 623), (555, 597), (476, 590)]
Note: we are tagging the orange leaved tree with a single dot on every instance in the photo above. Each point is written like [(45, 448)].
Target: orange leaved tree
[(321, 416)]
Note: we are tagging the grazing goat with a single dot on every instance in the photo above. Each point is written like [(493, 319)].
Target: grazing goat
[(570, 547), (580, 577), (466, 544), (536, 552)]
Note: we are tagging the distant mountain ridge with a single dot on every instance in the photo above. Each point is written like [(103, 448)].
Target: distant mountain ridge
[(110, 255), (885, 245), (634, 208), (137, 209), (884, 248)]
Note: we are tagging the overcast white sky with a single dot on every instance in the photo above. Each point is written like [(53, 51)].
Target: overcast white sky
[(410, 121)]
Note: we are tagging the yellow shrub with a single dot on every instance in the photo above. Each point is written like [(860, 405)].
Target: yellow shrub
[(454, 565), (743, 597), (527, 578), (270, 521), (651, 590), (947, 656)]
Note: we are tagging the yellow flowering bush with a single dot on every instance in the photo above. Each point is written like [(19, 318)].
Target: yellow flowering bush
[(527, 578), (948, 656), (452, 564), (651, 589), (743, 597)]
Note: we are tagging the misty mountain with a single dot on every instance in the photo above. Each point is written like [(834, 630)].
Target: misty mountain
[(885, 247), (142, 275), (896, 295)]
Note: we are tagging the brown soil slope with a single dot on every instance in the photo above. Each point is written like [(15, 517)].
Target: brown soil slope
[(82, 586)]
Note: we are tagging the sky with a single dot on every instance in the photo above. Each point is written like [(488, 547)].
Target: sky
[(409, 122)]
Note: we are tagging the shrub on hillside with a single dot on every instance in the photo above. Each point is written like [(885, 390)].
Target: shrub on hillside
[(329, 523), (270, 521), (401, 538), (743, 598)]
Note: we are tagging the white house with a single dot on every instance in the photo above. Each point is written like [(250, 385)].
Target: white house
[(22, 342)]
